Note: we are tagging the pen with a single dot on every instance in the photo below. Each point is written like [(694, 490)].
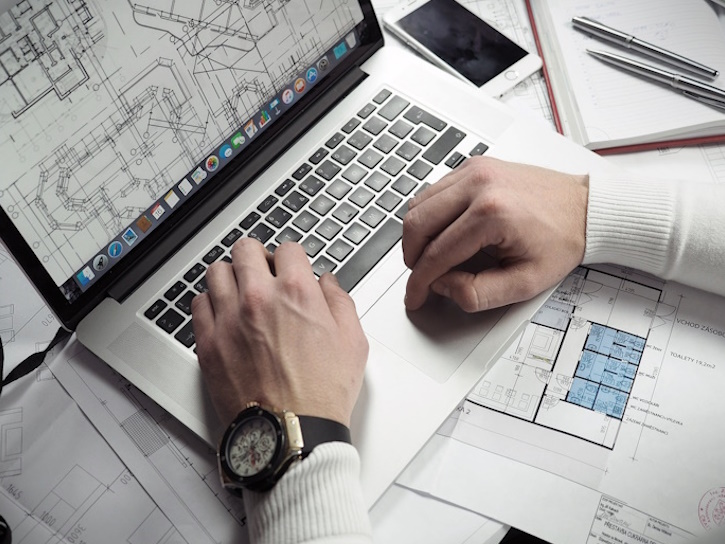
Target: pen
[(595, 28), (707, 94)]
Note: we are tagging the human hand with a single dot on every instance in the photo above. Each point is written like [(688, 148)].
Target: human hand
[(535, 219), (268, 331)]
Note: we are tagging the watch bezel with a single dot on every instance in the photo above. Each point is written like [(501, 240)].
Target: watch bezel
[(270, 469)]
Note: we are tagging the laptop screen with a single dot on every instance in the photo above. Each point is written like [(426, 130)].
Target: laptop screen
[(111, 119)]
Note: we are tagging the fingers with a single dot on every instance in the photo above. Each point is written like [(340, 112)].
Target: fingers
[(202, 314), (222, 284), (342, 309), (455, 245), (290, 259), (249, 261), (423, 223), (491, 288)]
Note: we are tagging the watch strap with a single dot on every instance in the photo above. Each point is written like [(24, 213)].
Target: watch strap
[(318, 430)]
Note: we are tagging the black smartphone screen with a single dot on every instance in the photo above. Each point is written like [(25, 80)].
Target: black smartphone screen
[(469, 45)]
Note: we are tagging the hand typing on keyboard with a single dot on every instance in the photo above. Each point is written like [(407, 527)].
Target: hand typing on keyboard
[(268, 331), (533, 217)]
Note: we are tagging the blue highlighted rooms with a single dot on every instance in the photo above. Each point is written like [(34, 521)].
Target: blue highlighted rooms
[(606, 370)]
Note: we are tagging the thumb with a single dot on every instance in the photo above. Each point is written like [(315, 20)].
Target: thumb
[(490, 288)]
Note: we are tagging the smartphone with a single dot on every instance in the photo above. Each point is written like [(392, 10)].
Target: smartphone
[(460, 42)]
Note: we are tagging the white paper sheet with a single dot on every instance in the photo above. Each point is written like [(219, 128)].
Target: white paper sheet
[(606, 407)]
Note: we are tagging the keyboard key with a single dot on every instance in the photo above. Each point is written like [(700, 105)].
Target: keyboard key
[(278, 217), (419, 169), (359, 140), (305, 221), (302, 171), (226, 259), (328, 229), (333, 142), (213, 254), (313, 245), (170, 321), (194, 272), (344, 155), (400, 212), (404, 185), (454, 160), (233, 236), (250, 220), (344, 213), (350, 126), (202, 286), (155, 309), (382, 96), (339, 250), (271, 248), (388, 201), (377, 181), (372, 217), (288, 235), (318, 156), (393, 108), (361, 197), (423, 136), (354, 173), (322, 205), (392, 166), (375, 126), (356, 233), (328, 170), (444, 145), (369, 254), (261, 232), (285, 187), (322, 265), (178, 288), (418, 115), (408, 151), (400, 129), (480, 149), (295, 201), (370, 158), (312, 185), (338, 189), (366, 111), (184, 303), (385, 143), (186, 335), (267, 204)]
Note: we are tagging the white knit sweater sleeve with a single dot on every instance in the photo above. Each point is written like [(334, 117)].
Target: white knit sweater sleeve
[(674, 230), (319, 500)]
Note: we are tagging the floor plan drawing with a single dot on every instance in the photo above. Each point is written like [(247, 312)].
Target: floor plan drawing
[(104, 104), (574, 366), (80, 493), (178, 469)]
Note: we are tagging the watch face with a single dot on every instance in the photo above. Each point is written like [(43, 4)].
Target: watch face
[(252, 446)]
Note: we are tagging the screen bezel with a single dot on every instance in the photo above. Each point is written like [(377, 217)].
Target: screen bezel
[(69, 314)]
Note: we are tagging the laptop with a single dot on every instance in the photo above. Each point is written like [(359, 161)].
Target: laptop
[(141, 141)]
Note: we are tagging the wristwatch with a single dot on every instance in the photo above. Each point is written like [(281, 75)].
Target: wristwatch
[(261, 444)]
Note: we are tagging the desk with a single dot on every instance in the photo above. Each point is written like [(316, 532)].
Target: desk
[(58, 474)]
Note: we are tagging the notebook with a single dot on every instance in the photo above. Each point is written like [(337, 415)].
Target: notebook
[(149, 138), (609, 110)]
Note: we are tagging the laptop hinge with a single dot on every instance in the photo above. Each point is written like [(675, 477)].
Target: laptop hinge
[(200, 216)]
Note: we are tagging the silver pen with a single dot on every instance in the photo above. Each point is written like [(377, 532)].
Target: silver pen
[(595, 28), (707, 94)]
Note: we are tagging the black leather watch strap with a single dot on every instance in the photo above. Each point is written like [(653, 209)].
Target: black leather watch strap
[(318, 430)]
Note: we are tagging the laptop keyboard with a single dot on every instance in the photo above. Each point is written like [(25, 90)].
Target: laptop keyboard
[(344, 205)]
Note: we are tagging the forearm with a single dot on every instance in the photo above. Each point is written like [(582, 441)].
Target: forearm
[(674, 230), (318, 500)]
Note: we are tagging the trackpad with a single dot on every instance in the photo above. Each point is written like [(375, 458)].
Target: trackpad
[(436, 339)]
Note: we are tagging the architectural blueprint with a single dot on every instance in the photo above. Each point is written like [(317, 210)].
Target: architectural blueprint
[(60, 481), (177, 469), (602, 413), (26, 324), (106, 103)]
